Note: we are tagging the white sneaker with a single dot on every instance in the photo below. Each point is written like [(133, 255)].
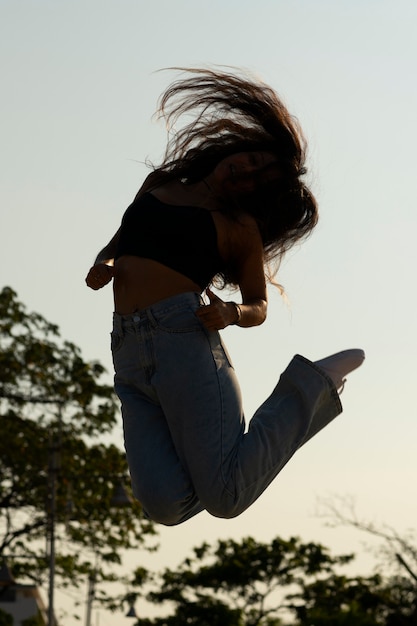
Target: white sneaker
[(338, 365)]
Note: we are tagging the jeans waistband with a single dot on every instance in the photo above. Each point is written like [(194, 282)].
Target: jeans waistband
[(182, 300)]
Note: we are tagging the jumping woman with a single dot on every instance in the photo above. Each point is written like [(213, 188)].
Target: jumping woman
[(227, 202)]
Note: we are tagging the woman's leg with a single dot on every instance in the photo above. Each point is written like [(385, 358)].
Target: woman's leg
[(230, 468), (184, 426), (159, 481), (200, 399)]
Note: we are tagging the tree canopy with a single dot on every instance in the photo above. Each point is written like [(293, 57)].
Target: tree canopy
[(280, 583), (56, 417)]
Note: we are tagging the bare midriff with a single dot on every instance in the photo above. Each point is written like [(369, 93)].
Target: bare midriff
[(139, 283)]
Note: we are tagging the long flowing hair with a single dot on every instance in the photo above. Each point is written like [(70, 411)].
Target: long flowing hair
[(229, 113)]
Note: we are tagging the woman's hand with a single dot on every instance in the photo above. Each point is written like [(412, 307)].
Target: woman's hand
[(218, 314), (99, 275)]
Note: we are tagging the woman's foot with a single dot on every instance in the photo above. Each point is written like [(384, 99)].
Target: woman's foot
[(337, 366)]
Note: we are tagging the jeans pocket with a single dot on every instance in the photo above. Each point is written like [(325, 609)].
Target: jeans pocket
[(226, 354), (219, 350)]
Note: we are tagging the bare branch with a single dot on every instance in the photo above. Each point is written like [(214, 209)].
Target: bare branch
[(401, 560), (341, 511)]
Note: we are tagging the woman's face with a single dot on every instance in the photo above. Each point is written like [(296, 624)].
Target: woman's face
[(243, 172)]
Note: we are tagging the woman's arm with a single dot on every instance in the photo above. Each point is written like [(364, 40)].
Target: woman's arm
[(102, 271), (251, 278), (252, 284), (106, 255)]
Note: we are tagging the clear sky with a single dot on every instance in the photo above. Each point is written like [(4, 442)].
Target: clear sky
[(79, 87)]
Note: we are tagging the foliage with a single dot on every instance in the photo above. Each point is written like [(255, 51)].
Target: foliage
[(338, 600), (205, 612), (53, 411), (275, 584), (5, 618), (245, 580)]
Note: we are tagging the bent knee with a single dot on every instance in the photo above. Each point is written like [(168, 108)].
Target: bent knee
[(159, 510), (167, 509), (163, 516), (224, 507)]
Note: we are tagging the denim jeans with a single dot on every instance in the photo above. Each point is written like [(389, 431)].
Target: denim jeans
[(184, 427)]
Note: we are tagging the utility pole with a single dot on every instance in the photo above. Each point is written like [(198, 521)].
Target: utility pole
[(54, 467)]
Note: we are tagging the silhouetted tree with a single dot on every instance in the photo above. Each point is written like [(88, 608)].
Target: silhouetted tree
[(280, 583), (53, 411)]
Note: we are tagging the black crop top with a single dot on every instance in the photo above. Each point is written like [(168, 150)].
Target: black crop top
[(183, 238)]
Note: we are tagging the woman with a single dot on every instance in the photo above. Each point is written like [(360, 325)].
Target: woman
[(227, 202)]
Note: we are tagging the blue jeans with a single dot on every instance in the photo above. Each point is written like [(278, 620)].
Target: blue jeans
[(184, 427)]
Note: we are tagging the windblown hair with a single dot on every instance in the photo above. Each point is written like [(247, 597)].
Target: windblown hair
[(235, 113)]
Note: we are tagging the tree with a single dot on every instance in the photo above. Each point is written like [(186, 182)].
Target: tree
[(397, 550), (53, 411), (338, 600), (276, 584), (245, 580)]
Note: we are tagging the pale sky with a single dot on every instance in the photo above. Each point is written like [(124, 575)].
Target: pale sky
[(79, 87)]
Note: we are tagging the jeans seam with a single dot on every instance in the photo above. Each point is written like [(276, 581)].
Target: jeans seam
[(222, 412)]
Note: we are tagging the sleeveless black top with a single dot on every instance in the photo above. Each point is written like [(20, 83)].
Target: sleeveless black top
[(184, 238)]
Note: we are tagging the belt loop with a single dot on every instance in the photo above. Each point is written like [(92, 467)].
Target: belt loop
[(151, 318)]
